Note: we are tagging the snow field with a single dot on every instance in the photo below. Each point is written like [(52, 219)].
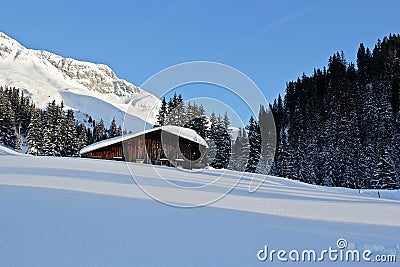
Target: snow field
[(84, 212)]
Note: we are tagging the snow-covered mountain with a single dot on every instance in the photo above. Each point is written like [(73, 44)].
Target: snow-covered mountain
[(88, 88)]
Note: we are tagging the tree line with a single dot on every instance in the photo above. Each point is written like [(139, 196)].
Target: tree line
[(52, 131), (15, 113), (340, 126)]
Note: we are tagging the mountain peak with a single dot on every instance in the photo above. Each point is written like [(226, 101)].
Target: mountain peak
[(8, 45), (7, 40), (5, 36), (86, 87)]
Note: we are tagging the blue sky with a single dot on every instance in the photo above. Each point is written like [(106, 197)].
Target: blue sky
[(270, 41)]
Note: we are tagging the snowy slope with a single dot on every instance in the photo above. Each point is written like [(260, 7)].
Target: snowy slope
[(83, 212), (5, 151), (86, 87)]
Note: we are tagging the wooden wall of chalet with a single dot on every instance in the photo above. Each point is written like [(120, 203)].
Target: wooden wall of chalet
[(110, 152), (135, 148)]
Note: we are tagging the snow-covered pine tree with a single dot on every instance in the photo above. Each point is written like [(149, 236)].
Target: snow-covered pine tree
[(54, 130), (179, 112), (226, 121), (82, 136), (396, 148), (236, 151), (48, 147), (308, 167), (240, 152), (53, 134), (119, 131), (329, 153), (176, 111), (384, 174), (35, 133), (213, 120), (223, 142), (8, 133), (189, 114), (99, 132), (28, 108), (170, 107), (268, 140), (70, 146), (191, 110), (210, 137), (200, 121), (254, 136), (162, 113), (349, 132), (278, 162), (289, 168), (113, 130), (278, 112), (210, 153), (90, 136), (245, 152)]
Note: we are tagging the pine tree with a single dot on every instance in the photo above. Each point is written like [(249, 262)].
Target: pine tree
[(113, 130), (200, 121), (90, 137), (8, 133), (219, 142), (170, 107), (255, 145), (177, 111), (212, 120), (384, 175), (119, 131), (288, 165), (268, 140), (396, 148), (48, 147), (226, 121), (222, 140), (82, 137), (196, 119), (211, 151), (35, 133), (99, 132), (53, 139), (162, 113), (70, 146), (240, 152)]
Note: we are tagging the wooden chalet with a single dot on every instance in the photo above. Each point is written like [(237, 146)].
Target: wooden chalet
[(166, 145)]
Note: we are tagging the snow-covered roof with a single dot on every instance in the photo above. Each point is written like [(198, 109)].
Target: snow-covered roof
[(186, 133)]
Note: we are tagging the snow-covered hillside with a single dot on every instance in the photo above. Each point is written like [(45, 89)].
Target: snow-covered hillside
[(86, 87), (85, 212)]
